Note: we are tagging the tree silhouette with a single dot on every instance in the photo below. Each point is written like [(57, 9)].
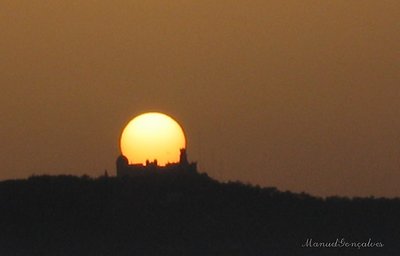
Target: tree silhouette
[(177, 214)]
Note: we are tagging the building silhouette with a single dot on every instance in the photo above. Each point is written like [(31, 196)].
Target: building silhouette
[(183, 166)]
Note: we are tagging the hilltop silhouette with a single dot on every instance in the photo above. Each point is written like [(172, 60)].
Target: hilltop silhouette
[(178, 214)]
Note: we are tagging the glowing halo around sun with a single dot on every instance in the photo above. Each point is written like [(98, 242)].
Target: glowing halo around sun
[(152, 136)]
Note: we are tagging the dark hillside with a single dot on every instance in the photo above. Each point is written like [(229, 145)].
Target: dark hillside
[(184, 215)]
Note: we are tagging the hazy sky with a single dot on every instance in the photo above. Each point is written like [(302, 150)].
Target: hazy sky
[(301, 95)]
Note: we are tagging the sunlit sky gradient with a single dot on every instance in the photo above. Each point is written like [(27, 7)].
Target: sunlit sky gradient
[(301, 95)]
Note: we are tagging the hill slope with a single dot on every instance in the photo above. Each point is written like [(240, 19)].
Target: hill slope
[(184, 215)]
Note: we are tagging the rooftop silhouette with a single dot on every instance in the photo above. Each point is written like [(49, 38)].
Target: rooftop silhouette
[(183, 166)]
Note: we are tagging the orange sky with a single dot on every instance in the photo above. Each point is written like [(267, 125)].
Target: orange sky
[(301, 95)]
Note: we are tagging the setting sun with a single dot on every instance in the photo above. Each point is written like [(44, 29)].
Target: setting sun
[(152, 136)]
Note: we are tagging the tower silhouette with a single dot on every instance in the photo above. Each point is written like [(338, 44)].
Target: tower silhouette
[(183, 166)]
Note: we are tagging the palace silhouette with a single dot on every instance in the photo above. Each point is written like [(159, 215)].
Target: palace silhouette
[(183, 166)]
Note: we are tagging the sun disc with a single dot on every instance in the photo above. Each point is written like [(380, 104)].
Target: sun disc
[(152, 136)]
